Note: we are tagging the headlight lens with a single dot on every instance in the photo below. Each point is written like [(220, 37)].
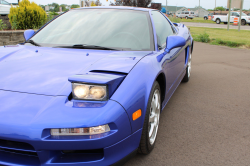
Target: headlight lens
[(89, 92), (80, 131)]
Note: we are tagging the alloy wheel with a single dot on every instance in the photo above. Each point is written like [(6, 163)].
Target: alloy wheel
[(154, 116)]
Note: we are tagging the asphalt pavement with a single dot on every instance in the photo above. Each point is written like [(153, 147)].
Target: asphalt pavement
[(209, 25), (207, 120)]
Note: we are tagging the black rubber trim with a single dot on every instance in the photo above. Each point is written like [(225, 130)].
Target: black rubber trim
[(125, 159)]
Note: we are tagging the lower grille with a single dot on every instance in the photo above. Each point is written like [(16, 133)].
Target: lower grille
[(20, 153), (78, 156)]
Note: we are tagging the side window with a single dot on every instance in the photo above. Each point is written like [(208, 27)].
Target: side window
[(187, 13), (163, 28)]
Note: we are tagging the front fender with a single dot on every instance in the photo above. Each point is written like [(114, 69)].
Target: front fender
[(133, 94)]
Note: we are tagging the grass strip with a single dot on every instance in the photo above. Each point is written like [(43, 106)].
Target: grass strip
[(196, 20), (218, 36)]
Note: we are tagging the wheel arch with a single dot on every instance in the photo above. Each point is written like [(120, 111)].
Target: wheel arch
[(161, 79)]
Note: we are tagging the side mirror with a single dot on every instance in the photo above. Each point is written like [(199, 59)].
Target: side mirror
[(174, 42), (28, 34)]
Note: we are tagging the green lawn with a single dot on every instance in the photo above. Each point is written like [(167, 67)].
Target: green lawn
[(198, 19), (218, 33)]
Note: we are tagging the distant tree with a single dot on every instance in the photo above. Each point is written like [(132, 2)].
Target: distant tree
[(98, 3), (56, 9), (64, 7), (221, 8), (75, 6), (138, 3), (42, 6), (210, 10)]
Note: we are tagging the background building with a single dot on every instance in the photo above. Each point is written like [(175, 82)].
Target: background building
[(235, 4), (200, 12), (173, 9), (178, 9)]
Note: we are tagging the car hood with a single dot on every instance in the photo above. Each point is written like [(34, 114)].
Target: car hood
[(45, 71)]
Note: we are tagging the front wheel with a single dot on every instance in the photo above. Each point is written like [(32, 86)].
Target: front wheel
[(188, 70), (205, 18), (151, 121)]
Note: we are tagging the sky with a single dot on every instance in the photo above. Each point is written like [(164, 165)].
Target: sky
[(207, 4)]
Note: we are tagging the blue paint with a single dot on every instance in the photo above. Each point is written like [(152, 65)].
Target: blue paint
[(28, 34), (35, 90)]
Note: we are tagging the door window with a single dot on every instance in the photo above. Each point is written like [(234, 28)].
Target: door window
[(163, 28)]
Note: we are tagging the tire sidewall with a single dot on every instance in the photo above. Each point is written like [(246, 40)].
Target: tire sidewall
[(145, 131)]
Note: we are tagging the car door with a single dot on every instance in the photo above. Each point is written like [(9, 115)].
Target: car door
[(173, 62), (233, 15)]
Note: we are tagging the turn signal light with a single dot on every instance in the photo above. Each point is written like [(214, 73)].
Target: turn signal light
[(137, 114)]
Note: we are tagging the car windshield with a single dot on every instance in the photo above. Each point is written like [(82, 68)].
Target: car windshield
[(111, 28)]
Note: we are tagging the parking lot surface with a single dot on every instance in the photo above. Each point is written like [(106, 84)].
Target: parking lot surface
[(208, 25), (207, 120)]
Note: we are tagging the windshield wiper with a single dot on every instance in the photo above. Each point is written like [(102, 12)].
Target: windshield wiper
[(84, 46), (32, 42)]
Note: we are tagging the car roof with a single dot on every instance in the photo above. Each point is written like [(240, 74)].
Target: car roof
[(116, 7)]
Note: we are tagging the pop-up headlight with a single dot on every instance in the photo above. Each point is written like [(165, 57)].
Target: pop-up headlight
[(89, 92)]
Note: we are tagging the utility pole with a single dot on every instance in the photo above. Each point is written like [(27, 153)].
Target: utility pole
[(229, 15), (241, 7), (199, 8), (166, 6), (215, 5)]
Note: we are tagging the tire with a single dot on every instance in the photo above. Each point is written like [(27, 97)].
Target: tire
[(243, 22), (188, 70), (218, 21), (205, 18), (147, 143), (225, 22), (186, 18)]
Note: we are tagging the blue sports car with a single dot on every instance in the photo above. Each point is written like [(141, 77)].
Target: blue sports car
[(89, 86)]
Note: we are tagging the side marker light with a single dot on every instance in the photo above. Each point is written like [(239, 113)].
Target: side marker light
[(137, 114)]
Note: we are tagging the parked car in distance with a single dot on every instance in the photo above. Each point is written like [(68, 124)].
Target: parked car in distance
[(210, 14), (186, 15), (4, 7), (90, 98), (224, 18)]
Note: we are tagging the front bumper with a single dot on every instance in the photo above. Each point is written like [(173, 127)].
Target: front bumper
[(110, 155), (26, 120)]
